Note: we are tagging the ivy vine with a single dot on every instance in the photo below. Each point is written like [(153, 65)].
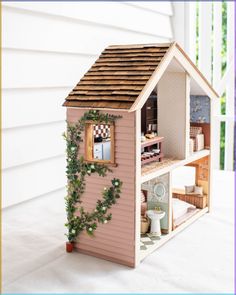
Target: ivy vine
[(77, 169)]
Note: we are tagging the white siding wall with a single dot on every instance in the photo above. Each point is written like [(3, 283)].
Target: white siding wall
[(47, 47)]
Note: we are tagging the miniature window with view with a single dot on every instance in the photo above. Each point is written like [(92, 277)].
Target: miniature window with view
[(99, 142)]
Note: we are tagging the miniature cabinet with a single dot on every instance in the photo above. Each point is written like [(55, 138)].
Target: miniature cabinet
[(154, 148), (98, 151), (102, 150), (149, 114)]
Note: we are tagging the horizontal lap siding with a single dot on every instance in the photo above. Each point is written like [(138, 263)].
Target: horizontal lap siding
[(46, 48), (15, 100), (46, 136), (115, 239), (25, 182)]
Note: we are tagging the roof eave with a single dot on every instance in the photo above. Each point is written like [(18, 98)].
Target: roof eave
[(192, 69), (71, 106)]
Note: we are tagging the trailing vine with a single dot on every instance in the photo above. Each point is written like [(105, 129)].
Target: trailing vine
[(77, 169)]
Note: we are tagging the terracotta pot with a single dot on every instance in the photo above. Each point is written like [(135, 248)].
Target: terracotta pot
[(69, 247)]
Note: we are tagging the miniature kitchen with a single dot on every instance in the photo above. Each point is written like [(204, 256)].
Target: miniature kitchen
[(101, 142), (151, 146)]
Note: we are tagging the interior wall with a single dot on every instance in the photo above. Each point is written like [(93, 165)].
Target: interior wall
[(173, 116), (182, 176), (200, 112), (199, 109), (202, 175)]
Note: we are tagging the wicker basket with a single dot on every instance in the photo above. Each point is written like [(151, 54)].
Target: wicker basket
[(145, 222), (200, 201)]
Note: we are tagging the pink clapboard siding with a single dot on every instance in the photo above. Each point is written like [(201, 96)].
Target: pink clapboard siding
[(114, 241)]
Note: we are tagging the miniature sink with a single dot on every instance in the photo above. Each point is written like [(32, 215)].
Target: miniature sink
[(155, 217)]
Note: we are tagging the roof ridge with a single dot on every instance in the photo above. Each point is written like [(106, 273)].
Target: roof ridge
[(164, 44)]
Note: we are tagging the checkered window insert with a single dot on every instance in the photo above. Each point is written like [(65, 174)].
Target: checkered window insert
[(101, 131)]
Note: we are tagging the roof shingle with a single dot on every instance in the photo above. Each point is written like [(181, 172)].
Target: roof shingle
[(117, 77)]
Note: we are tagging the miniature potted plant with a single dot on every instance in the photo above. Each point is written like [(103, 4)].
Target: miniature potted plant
[(71, 239), (69, 246), (145, 223)]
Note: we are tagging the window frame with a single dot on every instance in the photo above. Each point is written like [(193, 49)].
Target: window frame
[(89, 142)]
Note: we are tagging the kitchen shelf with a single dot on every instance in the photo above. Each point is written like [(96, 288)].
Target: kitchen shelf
[(148, 143), (152, 158), (152, 141)]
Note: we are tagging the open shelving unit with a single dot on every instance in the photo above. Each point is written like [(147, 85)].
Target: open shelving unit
[(149, 143)]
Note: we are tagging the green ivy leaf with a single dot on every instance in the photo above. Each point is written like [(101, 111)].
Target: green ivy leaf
[(76, 171)]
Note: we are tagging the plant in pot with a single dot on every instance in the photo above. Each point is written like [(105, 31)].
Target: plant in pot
[(69, 246), (71, 238)]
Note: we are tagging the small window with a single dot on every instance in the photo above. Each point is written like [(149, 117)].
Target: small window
[(99, 142)]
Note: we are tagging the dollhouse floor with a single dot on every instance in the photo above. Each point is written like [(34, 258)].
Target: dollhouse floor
[(171, 161), (154, 166), (147, 241)]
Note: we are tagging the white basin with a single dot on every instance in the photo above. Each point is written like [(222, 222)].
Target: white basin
[(155, 217)]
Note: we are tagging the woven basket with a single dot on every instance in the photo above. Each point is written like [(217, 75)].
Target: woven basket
[(145, 222), (200, 201)]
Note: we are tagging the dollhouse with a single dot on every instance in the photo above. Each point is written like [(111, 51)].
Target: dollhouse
[(164, 106)]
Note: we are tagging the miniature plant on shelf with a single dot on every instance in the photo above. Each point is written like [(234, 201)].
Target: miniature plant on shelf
[(78, 219)]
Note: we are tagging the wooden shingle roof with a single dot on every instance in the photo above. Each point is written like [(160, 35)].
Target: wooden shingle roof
[(117, 77)]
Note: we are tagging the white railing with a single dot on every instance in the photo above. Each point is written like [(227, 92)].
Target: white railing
[(202, 31)]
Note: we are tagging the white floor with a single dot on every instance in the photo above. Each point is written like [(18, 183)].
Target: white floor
[(200, 259)]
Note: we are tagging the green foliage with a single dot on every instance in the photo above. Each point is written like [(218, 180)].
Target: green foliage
[(77, 169), (223, 68), (197, 33), (96, 116), (224, 37), (222, 145)]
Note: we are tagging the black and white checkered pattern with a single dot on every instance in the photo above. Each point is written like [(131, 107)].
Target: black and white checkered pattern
[(101, 131), (147, 241)]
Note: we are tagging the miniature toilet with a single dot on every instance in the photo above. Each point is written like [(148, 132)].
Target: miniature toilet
[(155, 217)]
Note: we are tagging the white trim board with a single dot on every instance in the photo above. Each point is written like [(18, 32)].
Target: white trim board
[(137, 201)]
